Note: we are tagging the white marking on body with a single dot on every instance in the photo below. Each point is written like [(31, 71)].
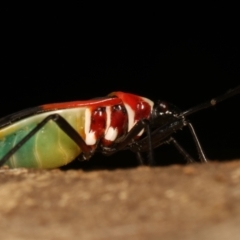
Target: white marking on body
[(131, 116), (90, 135), (111, 134), (141, 132), (87, 121), (108, 120)]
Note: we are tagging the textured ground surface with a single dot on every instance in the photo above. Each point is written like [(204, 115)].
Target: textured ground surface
[(198, 201)]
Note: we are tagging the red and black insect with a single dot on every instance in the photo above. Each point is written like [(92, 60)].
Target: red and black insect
[(53, 135)]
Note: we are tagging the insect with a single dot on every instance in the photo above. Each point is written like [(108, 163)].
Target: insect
[(53, 135)]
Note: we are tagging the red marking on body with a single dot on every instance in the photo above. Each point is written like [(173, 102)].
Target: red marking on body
[(119, 122), (98, 121), (141, 108), (119, 119), (102, 102), (118, 114)]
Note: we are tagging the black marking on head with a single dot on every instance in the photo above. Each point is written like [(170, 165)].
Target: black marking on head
[(164, 112)]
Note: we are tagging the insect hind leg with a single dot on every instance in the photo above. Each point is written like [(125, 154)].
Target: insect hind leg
[(64, 125), (139, 158), (180, 149)]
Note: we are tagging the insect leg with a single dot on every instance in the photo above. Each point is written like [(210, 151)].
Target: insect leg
[(139, 158), (158, 136), (163, 134), (197, 143), (64, 125), (87, 151), (83, 157), (129, 138), (180, 149)]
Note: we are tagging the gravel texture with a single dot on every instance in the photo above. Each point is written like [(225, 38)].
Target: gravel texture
[(197, 201)]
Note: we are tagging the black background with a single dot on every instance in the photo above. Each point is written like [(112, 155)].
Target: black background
[(182, 54)]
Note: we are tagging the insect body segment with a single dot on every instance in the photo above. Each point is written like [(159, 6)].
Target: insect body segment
[(53, 135), (49, 147), (98, 123), (137, 107), (109, 123)]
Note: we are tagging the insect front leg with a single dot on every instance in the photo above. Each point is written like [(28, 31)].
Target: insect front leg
[(64, 125), (162, 135)]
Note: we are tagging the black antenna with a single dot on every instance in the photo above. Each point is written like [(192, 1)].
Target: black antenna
[(212, 102)]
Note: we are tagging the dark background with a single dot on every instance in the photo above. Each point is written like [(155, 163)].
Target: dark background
[(185, 55)]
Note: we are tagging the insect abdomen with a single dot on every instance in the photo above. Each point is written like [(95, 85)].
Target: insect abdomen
[(48, 148)]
